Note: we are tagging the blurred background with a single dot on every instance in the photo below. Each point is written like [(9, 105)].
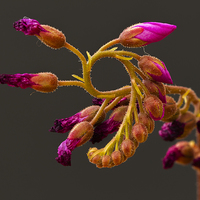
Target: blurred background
[(28, 168)]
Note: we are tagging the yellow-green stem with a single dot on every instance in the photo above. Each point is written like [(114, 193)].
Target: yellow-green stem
[(100, 112), (109, 44)]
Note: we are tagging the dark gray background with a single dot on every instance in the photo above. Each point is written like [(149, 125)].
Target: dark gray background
[(28, 168)]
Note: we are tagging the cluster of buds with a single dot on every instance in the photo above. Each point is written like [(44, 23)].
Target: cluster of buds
[(132, 109)]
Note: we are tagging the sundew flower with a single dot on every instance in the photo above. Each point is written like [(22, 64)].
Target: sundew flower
[(171, 130), (29, 26), (142, 34)]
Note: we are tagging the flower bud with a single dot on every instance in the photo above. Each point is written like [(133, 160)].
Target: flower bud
[(128, 148), (156, 88), (154, 107), (96, 159), (154, 69), (45, 82), (91, 152), (47, 34), (142, 34), (170, 108), (52, 37), (147, 121), (83, 131), (89, 113), (106, 160), (42, 82), (181, 153), (187, 152), (173, 117), (139, 132), (117, 157)]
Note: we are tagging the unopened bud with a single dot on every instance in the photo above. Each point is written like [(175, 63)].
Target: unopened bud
[(128, 148), (91, 152), (117, 157), (52, 37), (156, 88), (147, 121), (45, 82), (89, 113), (96, 159), (187, 152), (106, 160), (139, 132), (142, 34), (154, 69), (170, 108), (173, 117), (154, 107), (118, 113), (83, 131)]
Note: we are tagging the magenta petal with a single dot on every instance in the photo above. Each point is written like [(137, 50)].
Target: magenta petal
[(154, 31), (17, 80), (165, 77), (102, 130), (171, 156), (28, 26), (64, 151)]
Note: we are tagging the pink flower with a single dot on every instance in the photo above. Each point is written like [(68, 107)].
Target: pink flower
[(142, 34)]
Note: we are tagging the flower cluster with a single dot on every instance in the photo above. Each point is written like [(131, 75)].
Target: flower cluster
[(132, 109)]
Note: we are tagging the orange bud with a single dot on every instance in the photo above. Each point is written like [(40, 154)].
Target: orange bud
[(170, 108), (128, 148), (117, 157), (187, 152), (52, 37), (154, 107), (83, 131), (147, 121), (45, 82), (90, 113), (106, 159), (139, 132)]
